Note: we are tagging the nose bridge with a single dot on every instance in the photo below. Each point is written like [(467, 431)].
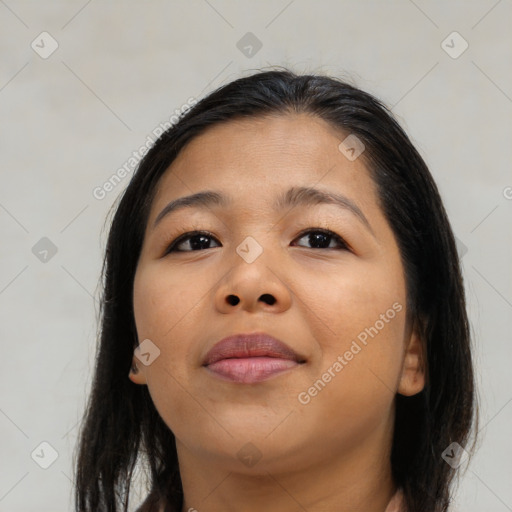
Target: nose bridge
[(253, 229), (254, 258), (251, 249)]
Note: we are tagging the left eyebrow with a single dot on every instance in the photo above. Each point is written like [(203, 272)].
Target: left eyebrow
[(295, 196)]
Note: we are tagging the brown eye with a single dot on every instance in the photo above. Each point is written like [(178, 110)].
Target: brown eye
[(196, 240), (323, 238)]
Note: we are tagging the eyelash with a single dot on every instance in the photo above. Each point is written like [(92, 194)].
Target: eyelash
[(190, 234)]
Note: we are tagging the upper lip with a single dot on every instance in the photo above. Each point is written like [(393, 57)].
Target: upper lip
[(250, 345)]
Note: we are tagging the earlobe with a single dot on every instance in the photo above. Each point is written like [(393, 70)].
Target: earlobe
[(136, 375), (412, 380)]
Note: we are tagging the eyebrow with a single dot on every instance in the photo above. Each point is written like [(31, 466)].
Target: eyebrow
[(295, 196)]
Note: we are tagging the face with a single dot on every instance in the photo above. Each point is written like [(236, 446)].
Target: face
[(324, 278)]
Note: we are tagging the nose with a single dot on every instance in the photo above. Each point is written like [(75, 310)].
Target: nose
[(252, 287)]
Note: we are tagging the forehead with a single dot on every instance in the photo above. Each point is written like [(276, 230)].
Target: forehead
[(254, 160)]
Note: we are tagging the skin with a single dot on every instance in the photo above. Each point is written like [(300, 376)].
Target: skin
[(332, 453)]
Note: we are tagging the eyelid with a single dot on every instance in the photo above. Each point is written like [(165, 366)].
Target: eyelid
[(190, 232), (177, 239), (327, 231)]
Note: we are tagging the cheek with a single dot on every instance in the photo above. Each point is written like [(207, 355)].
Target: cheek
[(161, 301), (164, 310), (363, 301), (353, 397), (366, 327)]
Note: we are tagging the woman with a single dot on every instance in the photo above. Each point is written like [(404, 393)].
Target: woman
[(283, 323)]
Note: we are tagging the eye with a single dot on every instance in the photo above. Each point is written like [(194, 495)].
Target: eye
[(197, 240), (323, 237), (319, 238)]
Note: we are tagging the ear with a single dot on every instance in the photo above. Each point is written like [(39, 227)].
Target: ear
[(412, 380), (137, 374)]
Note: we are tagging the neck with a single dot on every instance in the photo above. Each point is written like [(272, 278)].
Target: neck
[(360, 480)]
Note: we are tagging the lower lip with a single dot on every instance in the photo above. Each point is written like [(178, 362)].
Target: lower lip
[(250, 369)]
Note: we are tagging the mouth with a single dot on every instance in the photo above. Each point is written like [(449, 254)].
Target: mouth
[(250, 358)]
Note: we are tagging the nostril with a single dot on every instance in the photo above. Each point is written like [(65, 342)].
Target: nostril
[(269, 299), (233, 300)]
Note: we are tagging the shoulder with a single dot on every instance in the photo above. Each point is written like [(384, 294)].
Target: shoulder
[(150, 506), (396, 503)]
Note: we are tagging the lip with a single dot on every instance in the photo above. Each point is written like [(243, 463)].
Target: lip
[(249, 358)]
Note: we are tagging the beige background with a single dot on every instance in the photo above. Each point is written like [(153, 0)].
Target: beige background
[(70, 120)]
